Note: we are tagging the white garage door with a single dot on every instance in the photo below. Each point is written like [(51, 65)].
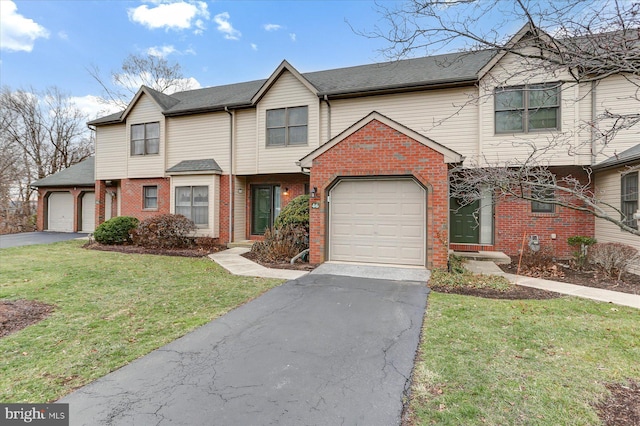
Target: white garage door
[(89, 212), (378, 221), (60, 212)]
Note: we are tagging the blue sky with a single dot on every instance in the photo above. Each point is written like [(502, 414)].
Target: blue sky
[(46, 43)]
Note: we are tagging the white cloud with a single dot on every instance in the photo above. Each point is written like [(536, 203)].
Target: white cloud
[(293, 36), (180, 15), (161, 51), (272, 27), (225, 27), (63, 35), (93, 107), (18, 33), (254, 46)]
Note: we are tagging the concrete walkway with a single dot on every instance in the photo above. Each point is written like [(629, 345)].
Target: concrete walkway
[(232, 261), (624, 299)]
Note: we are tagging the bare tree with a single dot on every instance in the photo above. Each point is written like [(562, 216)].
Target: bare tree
[(137, 70), (41, 133), (580, 42)]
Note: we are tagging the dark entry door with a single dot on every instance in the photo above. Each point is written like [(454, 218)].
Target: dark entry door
[(463, 225), (265, 206)]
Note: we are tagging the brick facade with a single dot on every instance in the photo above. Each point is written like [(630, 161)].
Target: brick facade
[(379, 150), (132, 197)]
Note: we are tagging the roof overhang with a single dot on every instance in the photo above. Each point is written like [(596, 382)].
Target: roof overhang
[(284, 66)]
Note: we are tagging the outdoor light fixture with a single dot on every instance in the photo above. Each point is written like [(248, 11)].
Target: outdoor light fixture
[(286, 191), (314, 192)]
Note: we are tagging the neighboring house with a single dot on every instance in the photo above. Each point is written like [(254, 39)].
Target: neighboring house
[(372, 144), (66, 200), (618, 183)]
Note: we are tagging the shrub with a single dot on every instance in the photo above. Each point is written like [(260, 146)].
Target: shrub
[(165, 231), (207, 243), (295, 213), (466, 279), (117, 230), (456, 264), (613, 258), (281, 244), (582, 249)]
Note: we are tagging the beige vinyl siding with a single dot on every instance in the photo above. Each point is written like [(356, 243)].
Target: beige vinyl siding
[(111, 152), (198, 137), (246, 142), (608, 186), (213, 182), (141, 166), (447, 116), (500, 149), (240, 210), (618, 95), (287, 91)]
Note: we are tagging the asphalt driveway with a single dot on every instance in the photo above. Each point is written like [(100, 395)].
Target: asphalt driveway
[(30, 238), (320, 350)]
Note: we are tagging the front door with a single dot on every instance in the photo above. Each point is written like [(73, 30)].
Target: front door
[(463, 222), (265, 207)]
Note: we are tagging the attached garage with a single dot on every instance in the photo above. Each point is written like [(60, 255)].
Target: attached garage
[(60, 212), (378, 221), (88, 212)]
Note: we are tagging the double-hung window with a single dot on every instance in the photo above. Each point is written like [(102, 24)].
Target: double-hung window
[(150, 196), (629, 199), (287, 126), (540, 204), (145, 138), (529, 108), (193, 203)]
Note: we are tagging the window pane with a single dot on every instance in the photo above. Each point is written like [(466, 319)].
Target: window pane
[(137, 131), (298, 116), (276, 136), (137, 147), (183, 197), (200, 215), (184, 211), (630, 187), (298, 135), (543, 118), (275, 117), (509, 99), (276, 201), (150, 197), (543, 97), (200, 195), (542, 195), (153, 130), (509, 121), (153, 146)]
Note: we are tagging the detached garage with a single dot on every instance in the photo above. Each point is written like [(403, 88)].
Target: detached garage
[(66, 200), (380, 195)]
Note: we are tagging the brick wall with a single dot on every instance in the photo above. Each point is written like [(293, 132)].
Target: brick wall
[(514, 219), (378, 150), (131, 193)]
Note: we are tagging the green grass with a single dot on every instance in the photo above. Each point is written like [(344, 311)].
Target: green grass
[(503, 362), (110, 308)]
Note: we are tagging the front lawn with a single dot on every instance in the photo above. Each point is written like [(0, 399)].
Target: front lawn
[(520, 362), (110, 308)]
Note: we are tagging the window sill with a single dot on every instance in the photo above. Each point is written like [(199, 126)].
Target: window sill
[(286, 146), (150, 210)]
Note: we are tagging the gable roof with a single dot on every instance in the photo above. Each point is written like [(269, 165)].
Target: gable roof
[(80, 174), (626, 157), (407, 74), (207, 166), (450, 156)]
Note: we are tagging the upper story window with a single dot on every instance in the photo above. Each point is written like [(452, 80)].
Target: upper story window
[(629, 201), (529, 108), (287, 126), (145, 138)]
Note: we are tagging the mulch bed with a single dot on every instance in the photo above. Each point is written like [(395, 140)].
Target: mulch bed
[(622, 407), (123, 248), (630, 283), (18, 314), (513, 293), (298, 265)]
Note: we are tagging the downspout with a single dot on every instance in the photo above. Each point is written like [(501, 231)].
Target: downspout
[(326, 99), (230, 174), (593, 122)]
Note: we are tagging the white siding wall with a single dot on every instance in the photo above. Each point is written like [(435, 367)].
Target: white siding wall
[(213, 182), (246, 138), (287, 91), (608, 186), (142, 166), (619, 95), (447, 116), (112, 152), (198, 137), (240, 210)]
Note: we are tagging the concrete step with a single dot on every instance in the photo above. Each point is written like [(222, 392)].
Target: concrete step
[(245, 243), (493, 256)]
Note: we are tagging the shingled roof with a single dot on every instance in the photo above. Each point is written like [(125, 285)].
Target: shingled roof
[(406, 74), (626, 157), (81, 174)]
